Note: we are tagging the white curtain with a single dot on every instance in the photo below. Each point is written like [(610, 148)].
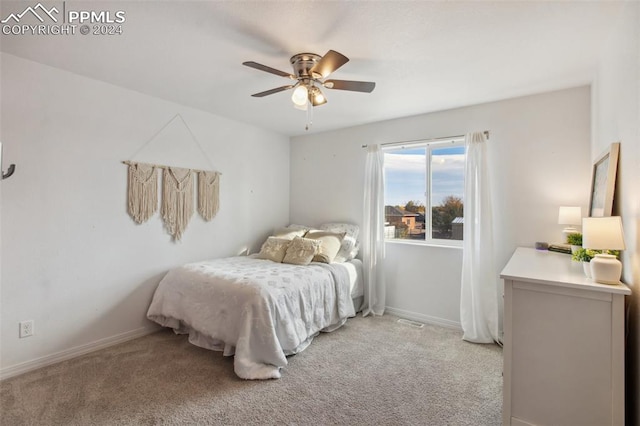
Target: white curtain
[(480, 294), (373, 233)]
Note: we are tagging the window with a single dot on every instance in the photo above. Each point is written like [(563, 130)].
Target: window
[(424, 190)]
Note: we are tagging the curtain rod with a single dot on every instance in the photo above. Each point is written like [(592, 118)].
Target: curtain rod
[(160, 166), (486, 133)]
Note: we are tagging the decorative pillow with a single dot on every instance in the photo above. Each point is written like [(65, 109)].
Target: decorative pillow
[(301, 251), (289, 233), (349, 246), (274, 249), (348, 250), (330, 244)]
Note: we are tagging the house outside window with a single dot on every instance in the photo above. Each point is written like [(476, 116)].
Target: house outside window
[(424, 192)]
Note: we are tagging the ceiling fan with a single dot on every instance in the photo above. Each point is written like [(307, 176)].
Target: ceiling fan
[(309, 73)]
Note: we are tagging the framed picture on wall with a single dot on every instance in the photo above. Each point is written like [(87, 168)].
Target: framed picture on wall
[(603, 182)]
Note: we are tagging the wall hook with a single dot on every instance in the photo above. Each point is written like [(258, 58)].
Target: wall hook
[(12, 168)]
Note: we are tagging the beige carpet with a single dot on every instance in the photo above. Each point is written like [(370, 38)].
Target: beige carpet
[(372, 371)]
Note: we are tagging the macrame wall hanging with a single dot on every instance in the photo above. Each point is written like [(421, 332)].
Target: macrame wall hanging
[(178, 198), (142, 191), (208, 194)]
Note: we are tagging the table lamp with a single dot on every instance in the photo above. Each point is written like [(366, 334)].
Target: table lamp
[(604, 233), (571, 217)]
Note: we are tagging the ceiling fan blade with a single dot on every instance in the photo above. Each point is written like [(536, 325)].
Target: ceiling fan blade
[(354, 86), (272, 91), (330, 62), (265, 68)]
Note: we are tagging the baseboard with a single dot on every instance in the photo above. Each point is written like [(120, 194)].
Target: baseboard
[(426, 319), (77, 351)]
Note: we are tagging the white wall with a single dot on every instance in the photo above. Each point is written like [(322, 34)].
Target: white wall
[(72, 259), (539, 158), (616, 118)]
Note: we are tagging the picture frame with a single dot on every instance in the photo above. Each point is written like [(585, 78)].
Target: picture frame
[(603, 182)]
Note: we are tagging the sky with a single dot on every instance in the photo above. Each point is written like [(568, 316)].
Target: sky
[(405, 175)]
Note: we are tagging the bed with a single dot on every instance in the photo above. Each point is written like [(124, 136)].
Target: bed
[(257, 310)]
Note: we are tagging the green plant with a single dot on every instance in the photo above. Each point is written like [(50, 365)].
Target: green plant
[(585, 255), (616, 253), (575, 239)]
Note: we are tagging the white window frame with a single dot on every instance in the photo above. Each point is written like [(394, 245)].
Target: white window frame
[(430, 145)]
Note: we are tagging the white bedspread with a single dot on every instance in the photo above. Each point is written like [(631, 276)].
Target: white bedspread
[(257, 309)]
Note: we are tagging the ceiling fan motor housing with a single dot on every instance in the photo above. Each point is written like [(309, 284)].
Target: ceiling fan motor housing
[(302, 63)]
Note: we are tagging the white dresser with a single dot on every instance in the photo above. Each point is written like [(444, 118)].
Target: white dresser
[(564, 339)]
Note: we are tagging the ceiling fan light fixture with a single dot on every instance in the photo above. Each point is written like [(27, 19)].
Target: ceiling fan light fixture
[(300, 95), (316, 97)]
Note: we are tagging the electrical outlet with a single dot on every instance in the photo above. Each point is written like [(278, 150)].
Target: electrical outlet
[(26, 328)]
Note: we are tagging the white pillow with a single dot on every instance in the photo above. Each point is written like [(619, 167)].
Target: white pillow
[(350, 245), (330, 244), (274, 249), (301, 251), (349, 229), (348, 250)]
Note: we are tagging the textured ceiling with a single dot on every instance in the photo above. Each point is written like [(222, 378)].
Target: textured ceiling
[(424, 56)]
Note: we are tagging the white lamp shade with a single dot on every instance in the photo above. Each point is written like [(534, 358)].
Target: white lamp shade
[(570, 216), (299, 96), (602, 233)]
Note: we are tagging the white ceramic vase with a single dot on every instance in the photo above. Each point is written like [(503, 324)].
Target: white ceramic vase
[(586, 267)]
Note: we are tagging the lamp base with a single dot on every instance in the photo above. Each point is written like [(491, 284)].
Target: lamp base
[(606, 269), (566, 231)]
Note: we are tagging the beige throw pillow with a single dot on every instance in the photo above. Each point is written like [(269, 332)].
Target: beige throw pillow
[(331, 242), (301, 251), (274, 249), (288, 233)]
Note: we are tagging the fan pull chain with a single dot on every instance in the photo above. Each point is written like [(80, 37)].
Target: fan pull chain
[(309, 116)]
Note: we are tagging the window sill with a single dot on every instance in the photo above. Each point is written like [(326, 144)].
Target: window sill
[(425, 244)]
